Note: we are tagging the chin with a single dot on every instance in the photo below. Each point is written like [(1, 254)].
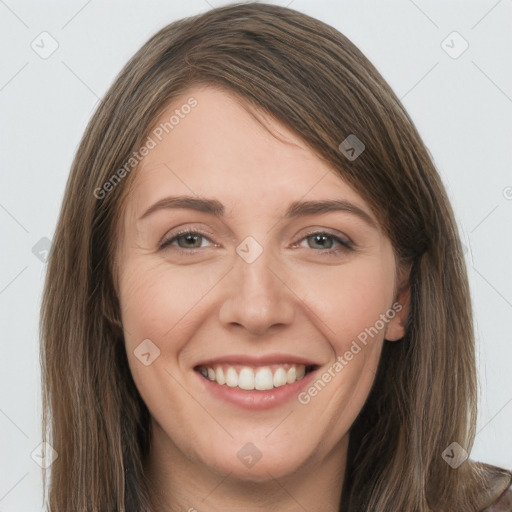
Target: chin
[(251, 464)]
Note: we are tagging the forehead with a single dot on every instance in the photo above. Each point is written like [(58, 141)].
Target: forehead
[(218, 148)]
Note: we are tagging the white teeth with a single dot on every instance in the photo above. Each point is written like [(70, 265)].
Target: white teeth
[(231, 378), (262, 378), (279, 377), (219, 375), (246, 379)]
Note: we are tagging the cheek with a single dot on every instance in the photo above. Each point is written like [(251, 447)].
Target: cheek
[(156, 302), (155, 297), (349, 298)]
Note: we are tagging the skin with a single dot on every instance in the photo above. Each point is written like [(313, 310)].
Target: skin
[(292, 299)]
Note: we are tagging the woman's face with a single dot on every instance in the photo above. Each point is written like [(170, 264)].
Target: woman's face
[(266, 287)]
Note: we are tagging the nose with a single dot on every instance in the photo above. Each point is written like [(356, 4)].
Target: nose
[(258, 297)]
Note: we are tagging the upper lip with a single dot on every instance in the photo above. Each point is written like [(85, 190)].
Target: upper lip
[(258, 360)]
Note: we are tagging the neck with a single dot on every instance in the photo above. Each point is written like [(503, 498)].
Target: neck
[(181, 484)]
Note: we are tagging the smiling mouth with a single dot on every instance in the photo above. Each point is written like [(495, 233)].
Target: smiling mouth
[(261, 378)]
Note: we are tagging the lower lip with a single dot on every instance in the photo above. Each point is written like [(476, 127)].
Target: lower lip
[(257, 400)]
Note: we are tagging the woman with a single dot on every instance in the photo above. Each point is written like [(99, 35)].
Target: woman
[(295, 355)]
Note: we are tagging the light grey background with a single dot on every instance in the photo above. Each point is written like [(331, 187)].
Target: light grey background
[(462, 107)]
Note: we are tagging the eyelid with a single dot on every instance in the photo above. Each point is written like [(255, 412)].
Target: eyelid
[(344, 244), (344, 241), (326, 231), (168, 238)]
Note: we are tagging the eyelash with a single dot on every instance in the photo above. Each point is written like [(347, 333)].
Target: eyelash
[(345, 244)]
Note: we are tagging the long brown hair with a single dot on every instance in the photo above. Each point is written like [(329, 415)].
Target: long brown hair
[(315, 81)]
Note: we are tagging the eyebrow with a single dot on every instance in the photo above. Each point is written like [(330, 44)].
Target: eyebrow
[(295, 209)]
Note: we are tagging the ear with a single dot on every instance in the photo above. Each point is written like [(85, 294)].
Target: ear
[(395, 329)]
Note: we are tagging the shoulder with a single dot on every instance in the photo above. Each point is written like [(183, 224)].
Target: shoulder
[(503, 503), (498, 489)]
